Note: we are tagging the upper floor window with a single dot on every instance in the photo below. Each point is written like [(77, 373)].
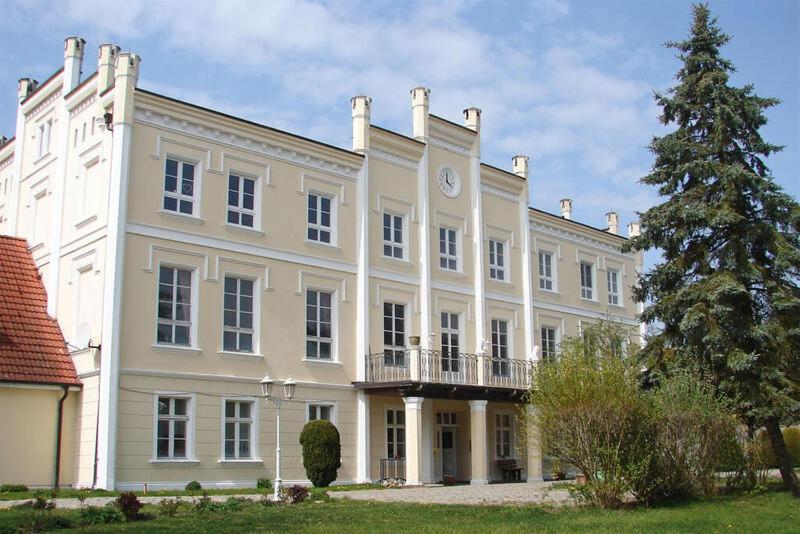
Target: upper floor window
[(545, 270), (174, 306), (172, 432), (319, 218), (239, 435), (497, 260), (241, 200), (320, 411), (394, 333), (500, 366), (392, 236), (237, 330), (548, 343), (613, 287), (319, 325), (448, 257), (44, 137), (587, 281), (503, 435), (179, 186), (450, 342)]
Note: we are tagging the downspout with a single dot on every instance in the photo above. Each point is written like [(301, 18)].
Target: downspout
[(58, 436)]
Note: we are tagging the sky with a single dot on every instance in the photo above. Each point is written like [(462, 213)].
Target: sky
[(568, 82)]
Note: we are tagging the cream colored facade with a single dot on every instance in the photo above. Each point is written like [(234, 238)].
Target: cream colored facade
[(90, 174)]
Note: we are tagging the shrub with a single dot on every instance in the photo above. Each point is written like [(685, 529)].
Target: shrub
[(750, 458), (13, 488), (193, 486), (264, 483), (129, 504), (322, 451), (98, 515), (169, 507), (42, 503), (294, 494), (204, 503)]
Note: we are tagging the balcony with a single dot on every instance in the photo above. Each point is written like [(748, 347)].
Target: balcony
[(453, 374)]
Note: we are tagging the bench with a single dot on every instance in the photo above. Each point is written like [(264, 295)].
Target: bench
[(511, 472)]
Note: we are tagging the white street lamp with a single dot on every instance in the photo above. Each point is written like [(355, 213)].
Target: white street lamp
[(289, 387)]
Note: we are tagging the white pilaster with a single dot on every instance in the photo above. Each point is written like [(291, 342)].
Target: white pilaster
[(363, 474), (479, 439), (520, 166), (419, 108), (414, 454), (25, 87), (472, 119)]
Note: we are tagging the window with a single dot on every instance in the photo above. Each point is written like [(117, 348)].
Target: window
[(446, 418), (613, 287), (174, 306), (319, 325), (394, 334), (172, 439), (241, 201), (237, 330), (179, 186), (587, 281), (320, 411), (497, 259), (502, 435), (239, 435), (545, 271), (548, 343), (319, 218), (395, 434), (44, 137), (448, 259), (450, 335), (500, 366), (393, 236)]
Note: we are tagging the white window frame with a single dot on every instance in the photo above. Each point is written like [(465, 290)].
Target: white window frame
[(239, 209), (447, 256), (38, 232), (193, 306), (254, 417), (321, 404), (318, 225), (191, 399), (43, 133), (334, 325), (395, 425), (394, 347), (255, 330), (500, 346), (178, 195), (403, 244), (450, 331), (555, 340), (510, 428), (588, 292), (614, 297), (543, 278), (498, 272)]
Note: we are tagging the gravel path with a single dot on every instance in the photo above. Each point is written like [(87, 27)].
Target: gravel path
[(102, 501), (490, 494)]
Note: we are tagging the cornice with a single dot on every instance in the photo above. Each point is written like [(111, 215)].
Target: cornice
[(46, 101), (85, 103), (500, 193), (576, 238), (393, 158), (7, 161)]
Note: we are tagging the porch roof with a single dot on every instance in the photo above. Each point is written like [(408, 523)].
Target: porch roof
[(410, 388)]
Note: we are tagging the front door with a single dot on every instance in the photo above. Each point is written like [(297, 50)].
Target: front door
[(449, 456)]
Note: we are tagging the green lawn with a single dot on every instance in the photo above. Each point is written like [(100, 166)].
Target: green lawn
[(67, 493), (771, 512)]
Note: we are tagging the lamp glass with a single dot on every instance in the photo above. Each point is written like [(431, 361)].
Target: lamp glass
[(266, 386), (288, 388)]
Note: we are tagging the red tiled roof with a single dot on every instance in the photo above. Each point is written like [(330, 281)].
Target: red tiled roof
[(32, 347)]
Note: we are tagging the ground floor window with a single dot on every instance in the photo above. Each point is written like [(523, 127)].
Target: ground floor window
[(395, 434), (320, 411), (239, 433), (503, 435), (172, 427)]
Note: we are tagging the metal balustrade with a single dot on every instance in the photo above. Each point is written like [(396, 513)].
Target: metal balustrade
[(393, 469)]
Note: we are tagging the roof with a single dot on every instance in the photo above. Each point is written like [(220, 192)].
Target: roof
[(605, 232), (32, 347)]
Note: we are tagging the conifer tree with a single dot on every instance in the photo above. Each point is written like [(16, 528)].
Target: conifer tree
[(728, 289)]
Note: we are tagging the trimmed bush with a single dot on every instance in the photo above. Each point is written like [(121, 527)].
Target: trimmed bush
[(193, 486), (130, 505), (322, 452), (99, 515), (264, 483), (294, 494), (13, 488)]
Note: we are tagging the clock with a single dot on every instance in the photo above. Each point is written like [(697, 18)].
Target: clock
[(449, 182)]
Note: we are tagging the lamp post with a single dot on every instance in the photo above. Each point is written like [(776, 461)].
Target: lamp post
[(288, 392)]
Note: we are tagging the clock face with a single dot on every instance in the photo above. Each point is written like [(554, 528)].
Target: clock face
[(449, 182)]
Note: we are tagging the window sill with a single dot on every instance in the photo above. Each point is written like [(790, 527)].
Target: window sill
[(175, 349), (321, 362), (174, 461), (191, 219), (84, 222), (503, 282), (252, 461), (399, 261), (36, 247), (620, 306), (550, 291), (460, 274), (243, 229), (320, 244), (589, 300), (240, 355)]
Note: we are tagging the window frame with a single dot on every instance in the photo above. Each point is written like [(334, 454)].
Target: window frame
[(395, 348), (178, 195), (254, 417), (447, 256), (614, 297), (193, 306), (239, 209), (450, 331), (44, 132), (321, 404), (334, 326), (497, 362), (403, 244), (318, 226), (191, 399), (543, 278), (394, 425), (510, 428), (256, 313), (495, 268), (588, 292), (555, 341)]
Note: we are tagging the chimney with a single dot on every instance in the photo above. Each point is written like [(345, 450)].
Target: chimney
[(472, 119), (73, 59), (361, 107), (419, 112), (612, 221), (26, 87), (106, 58), (566, 208), (519, 166), (126, 76), (634, 229)]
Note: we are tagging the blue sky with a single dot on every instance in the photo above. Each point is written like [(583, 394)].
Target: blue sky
[(567, 82)]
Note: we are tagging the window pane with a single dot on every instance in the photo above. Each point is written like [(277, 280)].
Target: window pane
[(325, 351), (230, 409), (170, 204), (229, 341), (244, 410), (179, 448), (172, 167), (246, 342), (162, 448), (179, 406), (230, 449), (249, 186), (244, 449), (230, 430), (181, 335), (247, 220)]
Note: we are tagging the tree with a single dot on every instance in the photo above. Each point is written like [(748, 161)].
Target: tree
[(322, 452), (728, 289)]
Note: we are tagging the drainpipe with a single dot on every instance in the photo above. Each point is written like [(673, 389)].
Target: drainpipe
[(58, 435)]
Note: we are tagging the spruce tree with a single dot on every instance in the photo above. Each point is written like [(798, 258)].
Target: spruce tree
[(727, 291)]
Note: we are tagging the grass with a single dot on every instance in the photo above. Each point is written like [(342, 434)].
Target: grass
[(769, 512), (66, 493)]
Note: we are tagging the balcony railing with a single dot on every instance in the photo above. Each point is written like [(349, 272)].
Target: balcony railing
[(443, 367)]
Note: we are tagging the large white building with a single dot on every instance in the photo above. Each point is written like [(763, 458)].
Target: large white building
[(406, 286)]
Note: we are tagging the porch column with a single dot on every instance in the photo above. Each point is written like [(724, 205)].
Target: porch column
[(414, 456), (479, 442), (534, 452)]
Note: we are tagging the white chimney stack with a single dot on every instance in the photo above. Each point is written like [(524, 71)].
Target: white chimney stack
[(106, 59), (612, 221), (519, 166), (361, 110), (420, 103), (634, 229), (566, 208), (472, 119), (73, 59)]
